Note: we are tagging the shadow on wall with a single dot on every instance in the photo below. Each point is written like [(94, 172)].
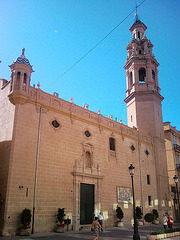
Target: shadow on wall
[(5, 148)]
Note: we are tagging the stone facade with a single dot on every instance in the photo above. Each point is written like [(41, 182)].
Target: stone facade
[(50, 147), (172, 141)]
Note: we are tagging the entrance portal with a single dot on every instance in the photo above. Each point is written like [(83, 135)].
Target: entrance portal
[(86, 203)]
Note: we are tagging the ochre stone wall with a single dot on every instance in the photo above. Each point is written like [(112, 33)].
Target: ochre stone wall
[(60, 151)]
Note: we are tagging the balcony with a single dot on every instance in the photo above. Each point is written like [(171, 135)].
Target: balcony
[(177, 147)]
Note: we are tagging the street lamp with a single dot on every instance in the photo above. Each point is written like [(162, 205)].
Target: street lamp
[(136, 233), (177, 192)]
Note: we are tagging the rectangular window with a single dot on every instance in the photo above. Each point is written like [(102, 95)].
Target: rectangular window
[(174, 138), (149, 201), (148, 179), (112, 144), (173, 189), (177, 159)]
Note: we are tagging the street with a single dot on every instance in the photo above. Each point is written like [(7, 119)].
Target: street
[(125, 233)]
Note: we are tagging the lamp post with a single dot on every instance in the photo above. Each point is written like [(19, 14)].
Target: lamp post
[(177, 192), (136, 233)]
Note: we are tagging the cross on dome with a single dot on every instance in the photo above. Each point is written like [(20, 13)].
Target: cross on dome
[(23, 50)]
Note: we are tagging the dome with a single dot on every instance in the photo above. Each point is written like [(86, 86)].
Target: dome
[(22, 59)]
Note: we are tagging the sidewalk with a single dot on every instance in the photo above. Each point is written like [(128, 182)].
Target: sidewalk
[(115, 233)]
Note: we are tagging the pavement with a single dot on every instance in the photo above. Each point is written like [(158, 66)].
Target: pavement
[(125, 233)]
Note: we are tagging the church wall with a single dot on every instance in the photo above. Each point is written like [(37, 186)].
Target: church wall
[(63, 148)]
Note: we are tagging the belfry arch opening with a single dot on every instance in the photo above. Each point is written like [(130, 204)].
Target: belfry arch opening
[(142, 75), (18, 77), (25, 79), (153, 75), (130, 79), (138, 35)]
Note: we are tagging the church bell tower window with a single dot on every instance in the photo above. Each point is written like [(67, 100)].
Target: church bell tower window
[(142, 75), (25, 79), (138, 35), (131, 79), (18, 77), (153, 75)]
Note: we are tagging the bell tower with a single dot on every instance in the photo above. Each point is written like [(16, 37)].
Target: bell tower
[(143, 93), (143, 99)]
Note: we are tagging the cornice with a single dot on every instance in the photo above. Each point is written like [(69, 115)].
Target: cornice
[(42, 99), (137, 58), (138, 93)]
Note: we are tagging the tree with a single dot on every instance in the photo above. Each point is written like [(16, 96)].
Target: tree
[(119, 213), (25, 218), (149, 217), (155, 212), (60, 215), (139, 212)]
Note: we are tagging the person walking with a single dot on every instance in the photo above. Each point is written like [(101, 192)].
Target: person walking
[(170, 221), (95, 227), (100, 220), (164, 221)]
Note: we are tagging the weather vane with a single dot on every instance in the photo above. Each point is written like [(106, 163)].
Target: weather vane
[(135, 14)]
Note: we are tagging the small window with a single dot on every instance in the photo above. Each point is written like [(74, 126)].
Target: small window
[(148, 179), (131, 118), (142, 74), (177, 159), (112, 144), (55, 124), (146, 152), (131, 79), (173, 189), (132, 148), (149, 201), (139, 51), (87, 133), (174, 139)]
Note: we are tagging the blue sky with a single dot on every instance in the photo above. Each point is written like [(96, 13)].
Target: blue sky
[(57, 33)]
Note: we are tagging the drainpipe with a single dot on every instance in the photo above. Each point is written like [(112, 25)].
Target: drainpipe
[(140, 174), (36, 170)]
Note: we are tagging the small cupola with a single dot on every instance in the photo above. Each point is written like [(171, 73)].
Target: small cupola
[(138, 28), (21, 70), (22, 59)]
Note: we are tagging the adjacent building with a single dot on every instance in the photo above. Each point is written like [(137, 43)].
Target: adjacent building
[(172, 141)]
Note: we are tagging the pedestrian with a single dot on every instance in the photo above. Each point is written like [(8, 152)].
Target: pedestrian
[(100, 220), (95, 227), (164, 221), (170, 221)]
